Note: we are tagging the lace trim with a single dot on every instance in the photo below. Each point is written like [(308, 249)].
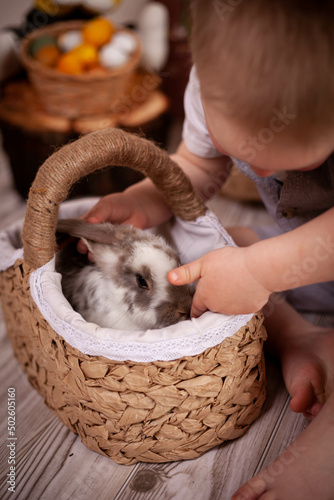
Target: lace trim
[(139, 351)]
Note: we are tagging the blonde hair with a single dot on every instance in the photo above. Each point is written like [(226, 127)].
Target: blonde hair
[(253, 56)]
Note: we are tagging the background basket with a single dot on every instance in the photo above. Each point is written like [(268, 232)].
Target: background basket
[(129, 411), (77, 95)]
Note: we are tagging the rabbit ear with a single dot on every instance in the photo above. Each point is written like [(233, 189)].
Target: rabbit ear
[(102, 233), (104, 256)]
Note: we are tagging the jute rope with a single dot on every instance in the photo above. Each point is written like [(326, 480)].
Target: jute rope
[(152, 412), (84, 156)]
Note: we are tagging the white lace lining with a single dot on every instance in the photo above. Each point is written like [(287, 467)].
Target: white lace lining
[(188, 338)]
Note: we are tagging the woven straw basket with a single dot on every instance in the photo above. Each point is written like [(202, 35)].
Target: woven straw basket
[(77, 95), (130, 411)]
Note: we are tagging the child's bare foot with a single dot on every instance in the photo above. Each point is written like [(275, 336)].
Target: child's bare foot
[(304, 471), (308, 371), (306, 353)]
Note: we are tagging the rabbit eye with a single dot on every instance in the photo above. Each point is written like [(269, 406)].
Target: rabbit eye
[(141, 282)]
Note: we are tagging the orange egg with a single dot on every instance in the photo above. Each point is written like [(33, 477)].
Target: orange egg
[(47, 55), (87, 55), (98, 32), (69, 63), (98, 71)]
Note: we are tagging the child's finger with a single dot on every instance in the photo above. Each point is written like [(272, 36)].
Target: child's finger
[(185, 274), (100, 212), (95, 217), (198, 307), (81, 247), (113, 208), (91, 256)]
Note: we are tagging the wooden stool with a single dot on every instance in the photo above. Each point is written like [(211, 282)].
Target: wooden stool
[(30, 134)]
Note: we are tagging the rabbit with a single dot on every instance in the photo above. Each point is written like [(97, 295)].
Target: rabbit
[(126, 287)]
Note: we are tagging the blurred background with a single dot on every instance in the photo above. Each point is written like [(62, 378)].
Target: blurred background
[(69, 68), (44, 104)]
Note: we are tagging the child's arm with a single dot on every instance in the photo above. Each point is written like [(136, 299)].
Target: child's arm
[(142, 204), (240, 280)]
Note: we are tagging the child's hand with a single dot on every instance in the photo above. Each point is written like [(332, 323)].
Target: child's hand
[(120, 208), (141, 205), (116, 207), (225, 285)]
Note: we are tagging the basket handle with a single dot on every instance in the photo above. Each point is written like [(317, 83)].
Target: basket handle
[(93, 152)]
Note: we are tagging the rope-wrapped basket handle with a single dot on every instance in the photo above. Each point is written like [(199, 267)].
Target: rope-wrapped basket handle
[(88, 154)]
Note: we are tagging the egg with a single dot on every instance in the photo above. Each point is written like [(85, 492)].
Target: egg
[(125, 42), (97, 71), (111, 56), (70, 40), (70, 64), (86, 54), (98, 31), (47, 55), (41, 42)]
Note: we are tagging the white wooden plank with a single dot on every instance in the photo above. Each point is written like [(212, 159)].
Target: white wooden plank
[(290, 426), (12, 207)]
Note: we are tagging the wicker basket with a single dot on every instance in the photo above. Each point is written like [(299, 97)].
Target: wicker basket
[(129, 411), (77, 95)]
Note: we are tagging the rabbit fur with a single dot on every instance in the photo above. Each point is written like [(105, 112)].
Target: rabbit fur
[(126, 287)]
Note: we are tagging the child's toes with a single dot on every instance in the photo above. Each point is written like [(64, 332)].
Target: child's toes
[(306, 390), (252, 490), (313, 411), (302, 396)]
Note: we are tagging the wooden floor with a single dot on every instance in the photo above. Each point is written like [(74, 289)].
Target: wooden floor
[(52, 463)]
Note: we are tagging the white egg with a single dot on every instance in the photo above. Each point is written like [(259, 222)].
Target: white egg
[(125, 42), (69, 40), (112, 57)]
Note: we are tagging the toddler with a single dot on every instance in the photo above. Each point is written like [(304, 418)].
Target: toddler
[(261, 93)]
